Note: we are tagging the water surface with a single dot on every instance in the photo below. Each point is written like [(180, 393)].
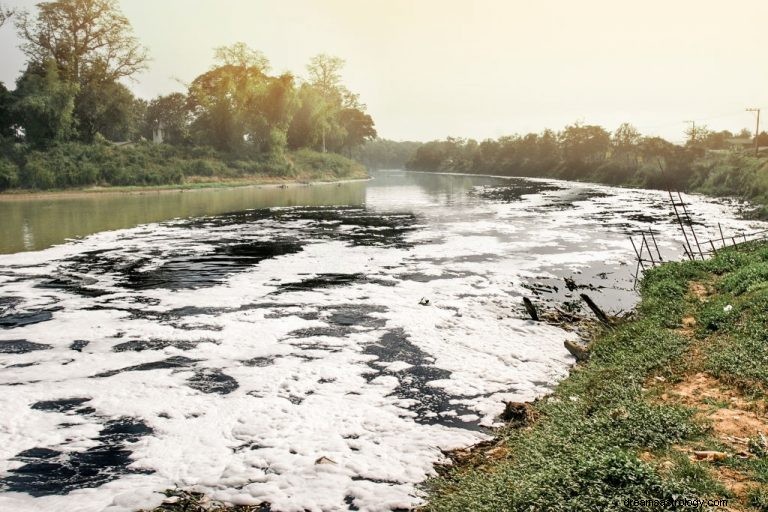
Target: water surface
[(39, 223), (311, 348)]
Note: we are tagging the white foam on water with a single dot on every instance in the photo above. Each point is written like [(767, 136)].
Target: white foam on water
[(346, 392)]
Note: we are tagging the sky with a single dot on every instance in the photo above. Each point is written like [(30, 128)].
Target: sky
[(428, 69)]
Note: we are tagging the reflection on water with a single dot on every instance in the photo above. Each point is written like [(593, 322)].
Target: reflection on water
[(34, 224)]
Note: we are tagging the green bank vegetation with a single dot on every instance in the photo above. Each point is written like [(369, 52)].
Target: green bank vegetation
[(716, 163), (671, 404), (72, 122)]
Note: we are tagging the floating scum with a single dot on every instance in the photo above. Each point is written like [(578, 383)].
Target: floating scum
[(282, 355)]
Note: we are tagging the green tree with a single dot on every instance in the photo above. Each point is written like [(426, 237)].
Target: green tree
[(583, 146), (6, 112), (236, 106), (325, 75), (306, 126), (107, 109), (624, 143), (698, 136), (359, 127), (172, 114), (44, 105)]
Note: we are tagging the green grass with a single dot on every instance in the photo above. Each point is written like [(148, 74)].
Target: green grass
[(584, 453)]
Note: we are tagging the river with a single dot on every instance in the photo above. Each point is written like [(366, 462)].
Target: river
[(309, 347)]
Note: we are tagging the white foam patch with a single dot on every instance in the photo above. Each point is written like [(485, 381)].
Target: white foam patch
[(346, 392)]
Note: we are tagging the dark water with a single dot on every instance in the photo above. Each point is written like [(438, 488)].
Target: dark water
[(264, 329)]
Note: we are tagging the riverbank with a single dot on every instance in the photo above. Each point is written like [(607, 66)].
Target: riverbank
[(191, 186), (671, 405), (76, 167), (651, 163)]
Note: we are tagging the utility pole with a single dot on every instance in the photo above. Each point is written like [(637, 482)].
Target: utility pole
[(693, 131), (757, 129)]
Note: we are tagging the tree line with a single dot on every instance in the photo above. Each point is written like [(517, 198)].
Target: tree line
[(80, 52), (709, 160)]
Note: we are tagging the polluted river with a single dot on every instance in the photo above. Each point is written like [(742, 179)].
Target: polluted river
[(311, 348)]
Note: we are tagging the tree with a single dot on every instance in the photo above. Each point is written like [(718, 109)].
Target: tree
[(6, 112), (698, 136), (357, 126), (583, 145), (172, 114), (105, 108), (240, 55), (325, 74), (44, 105), (624, 142), (90, 40), (237, 106), (306, 127)]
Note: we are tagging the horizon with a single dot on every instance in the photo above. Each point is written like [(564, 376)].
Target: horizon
[(583, 69)]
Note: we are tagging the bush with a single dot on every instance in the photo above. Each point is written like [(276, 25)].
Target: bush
[(37, 175), (9, 174), (74, 164), (200, 167)]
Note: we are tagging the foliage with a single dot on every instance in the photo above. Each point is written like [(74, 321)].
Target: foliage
[(591, 153), (170, 114), (44, 105), (90, 40), (584, 452), (385, 154), (76, 164), (107, 109), (9, 174), (237, 109)]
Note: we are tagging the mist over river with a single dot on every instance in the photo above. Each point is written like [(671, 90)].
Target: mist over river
[(309, 347)]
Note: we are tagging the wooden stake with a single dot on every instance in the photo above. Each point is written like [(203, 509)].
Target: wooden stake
[(596, 310), (531, 309)]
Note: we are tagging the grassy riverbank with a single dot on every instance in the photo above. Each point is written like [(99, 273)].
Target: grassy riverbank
[(98, 167), (670, 405)]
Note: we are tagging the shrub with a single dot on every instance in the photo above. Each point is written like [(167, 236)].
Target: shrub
[(36, 174), (9, 174)]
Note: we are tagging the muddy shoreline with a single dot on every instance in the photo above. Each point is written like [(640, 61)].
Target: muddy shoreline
[(25, 195)]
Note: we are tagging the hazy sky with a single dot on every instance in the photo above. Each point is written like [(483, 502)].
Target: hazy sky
[(432, 68)]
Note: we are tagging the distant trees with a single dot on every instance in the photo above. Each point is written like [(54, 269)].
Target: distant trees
[(582, 152), (386, 154), (584, 145)]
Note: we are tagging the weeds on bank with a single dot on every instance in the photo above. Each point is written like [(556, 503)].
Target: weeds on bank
[(605, 436)]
